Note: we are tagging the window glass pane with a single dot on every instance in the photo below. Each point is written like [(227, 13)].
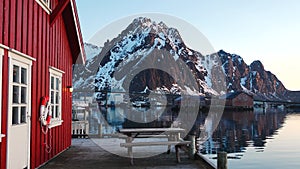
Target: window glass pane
[(53, 112), (23, 95), (52, 97), (56, 111), (16, 74), (46, 2), (57, 83), (15, 115), (23, 114), (52, 82), (15, 94), (24, 76), (57, 98)]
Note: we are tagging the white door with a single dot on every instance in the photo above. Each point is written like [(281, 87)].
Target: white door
[(18, 114)]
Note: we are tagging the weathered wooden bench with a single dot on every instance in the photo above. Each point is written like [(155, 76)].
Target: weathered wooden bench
[(177, 145), (173, 135)]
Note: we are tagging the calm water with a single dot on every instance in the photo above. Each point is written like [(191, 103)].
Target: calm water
[(252, 139), (257, 140)]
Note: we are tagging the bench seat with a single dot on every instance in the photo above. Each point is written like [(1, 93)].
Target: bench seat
[(145, 136), (177, 145), (133, 144)]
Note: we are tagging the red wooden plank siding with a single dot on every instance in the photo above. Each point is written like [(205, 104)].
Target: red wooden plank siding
[(31, 43), (1, 24), (12, 26), (61, 59), (58, 55), (6, 23), (19, 13), (46, 58), (4, 108), (53, 29), (34, 156), (40, 137), (25, 26), (30, 31), (43, 69)]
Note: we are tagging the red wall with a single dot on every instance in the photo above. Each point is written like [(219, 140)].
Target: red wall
[(25, 27), (243, 100)]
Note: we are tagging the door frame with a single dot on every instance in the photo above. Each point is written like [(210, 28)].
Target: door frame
[(14, 55)]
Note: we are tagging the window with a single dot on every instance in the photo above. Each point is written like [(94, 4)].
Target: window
[(45, 4), (1, 55), (19, 94), (19, 88), (55, 95)]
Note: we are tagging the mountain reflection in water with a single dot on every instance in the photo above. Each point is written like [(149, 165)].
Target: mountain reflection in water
[(236, 129), (250, 136), (240, 129)]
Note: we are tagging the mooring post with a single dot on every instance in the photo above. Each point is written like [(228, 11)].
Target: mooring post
[(222, 160), (192, 148), (100, 131)]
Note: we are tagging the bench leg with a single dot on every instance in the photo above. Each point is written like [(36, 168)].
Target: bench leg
[(129, 149), (177, 153), (169, 149), (130, 154), (170, 138)]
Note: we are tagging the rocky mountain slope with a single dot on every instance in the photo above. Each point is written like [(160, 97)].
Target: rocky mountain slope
[(149, 56), (251, 78)]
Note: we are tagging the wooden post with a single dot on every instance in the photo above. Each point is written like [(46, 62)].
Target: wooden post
[(192, 148), (87, 128), (177, 153), (129, 139), (222, 160), (100, 130)]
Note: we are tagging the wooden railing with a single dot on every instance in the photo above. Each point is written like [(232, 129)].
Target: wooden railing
[(80, 129)]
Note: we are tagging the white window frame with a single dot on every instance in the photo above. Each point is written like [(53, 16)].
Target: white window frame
[(1, 57), (56, 73), (45, 4)]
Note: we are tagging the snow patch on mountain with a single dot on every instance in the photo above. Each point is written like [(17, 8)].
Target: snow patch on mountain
[(91, 50)]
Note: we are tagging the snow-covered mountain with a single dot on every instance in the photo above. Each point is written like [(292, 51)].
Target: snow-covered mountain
[(138, 60), (145, 42), (251, 78), (84, 75)]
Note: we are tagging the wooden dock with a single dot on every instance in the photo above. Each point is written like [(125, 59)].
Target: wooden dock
[(84, 153)]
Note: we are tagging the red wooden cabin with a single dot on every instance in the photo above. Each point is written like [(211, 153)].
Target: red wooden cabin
[(239, 99), (39, 42)]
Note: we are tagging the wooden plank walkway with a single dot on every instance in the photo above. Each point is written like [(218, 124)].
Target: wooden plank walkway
[(84, 153)]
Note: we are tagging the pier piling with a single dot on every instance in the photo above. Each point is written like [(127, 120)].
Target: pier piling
[(192, 148), (222, 160)]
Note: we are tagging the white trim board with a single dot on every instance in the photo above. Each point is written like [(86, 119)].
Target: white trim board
[(44, 6), (1, 58), (77, 31)]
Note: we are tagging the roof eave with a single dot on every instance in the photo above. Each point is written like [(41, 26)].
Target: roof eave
[(81, 56)]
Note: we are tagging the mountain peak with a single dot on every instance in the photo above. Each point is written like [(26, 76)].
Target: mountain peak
[(144, 24), (257, 65), (142, 20)]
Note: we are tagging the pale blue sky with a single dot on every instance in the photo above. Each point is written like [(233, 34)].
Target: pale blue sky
[(266, 30)]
